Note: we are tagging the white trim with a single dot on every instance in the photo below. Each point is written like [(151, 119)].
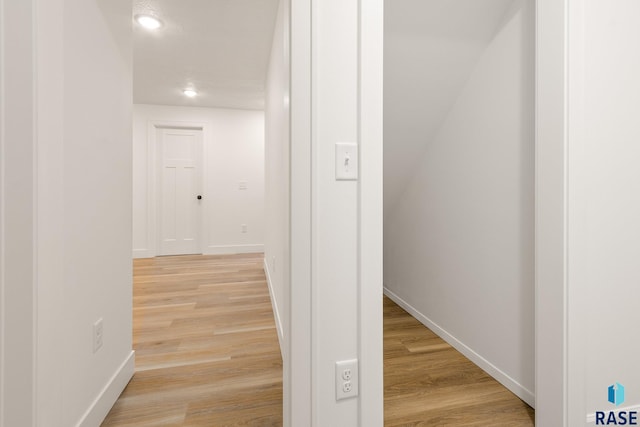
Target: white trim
[(35, 212), (551, 304), (2, 214), (274, 306), (503, 378), (107, 397), (142, 253), (298, 381), (370, 185), (591, 418), (152, 178), (577, 302), (233, 249)]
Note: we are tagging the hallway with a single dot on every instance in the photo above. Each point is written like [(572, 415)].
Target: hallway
[(206, 345)]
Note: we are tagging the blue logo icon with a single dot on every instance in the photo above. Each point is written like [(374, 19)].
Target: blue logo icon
[(616, 394), (616, 417)]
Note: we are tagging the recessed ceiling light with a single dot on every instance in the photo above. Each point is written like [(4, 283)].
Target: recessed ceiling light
[(149, 22), (190, 93)]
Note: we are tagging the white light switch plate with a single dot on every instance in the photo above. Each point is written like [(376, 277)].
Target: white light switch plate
[(346, 161)]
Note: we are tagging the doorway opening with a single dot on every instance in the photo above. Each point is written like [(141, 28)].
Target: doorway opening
[(459, 211), (201, 304)]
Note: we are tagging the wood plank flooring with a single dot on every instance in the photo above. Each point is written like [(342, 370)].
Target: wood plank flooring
[(207, 355), (429, 383), (206, 346)]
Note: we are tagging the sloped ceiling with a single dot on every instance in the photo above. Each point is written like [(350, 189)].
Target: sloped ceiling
[(430, 48), (220, 47)]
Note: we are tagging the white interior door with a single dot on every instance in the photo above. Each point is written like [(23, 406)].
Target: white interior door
[(180, 191)]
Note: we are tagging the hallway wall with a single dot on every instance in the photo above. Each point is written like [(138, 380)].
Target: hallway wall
[(67, 210), (277, 177), (459, 242), (96, 213), (234, 150)]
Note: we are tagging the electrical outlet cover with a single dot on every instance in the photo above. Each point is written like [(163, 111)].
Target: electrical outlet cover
[(346, 379)]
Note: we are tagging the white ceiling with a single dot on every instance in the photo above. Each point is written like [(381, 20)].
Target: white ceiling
[(430, 48), (220, 47)]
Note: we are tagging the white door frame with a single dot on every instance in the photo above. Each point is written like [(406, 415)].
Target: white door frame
[(551, 302), (153, 233), (297, 374), (370, 212), (299, 387), (19, 175), (551, 290)]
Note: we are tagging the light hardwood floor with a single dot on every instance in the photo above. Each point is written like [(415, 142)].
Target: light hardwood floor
[(429, 383), (207, 355), (206, 347)]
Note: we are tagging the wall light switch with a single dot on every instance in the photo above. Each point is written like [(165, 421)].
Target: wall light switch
[(346, 161), (98, 335)]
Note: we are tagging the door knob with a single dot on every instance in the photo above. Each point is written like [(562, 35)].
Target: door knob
[(199, 197)]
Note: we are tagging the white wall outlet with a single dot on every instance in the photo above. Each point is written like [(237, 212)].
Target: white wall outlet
[(346, 379), (243, 228), (98, 334), (346, 161)]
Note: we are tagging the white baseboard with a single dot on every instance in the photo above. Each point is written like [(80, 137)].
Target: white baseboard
[(591, 418), (504, 379), (109, 394), (142, 253), (209, 250), (274, 305), (233, 249)]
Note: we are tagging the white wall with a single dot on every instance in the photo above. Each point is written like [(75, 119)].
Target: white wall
[(277, 247), (234, 150), (80, 219), (17, 218), (459, 244), (430, 49), (603, 203), (97, 200), (277, 176)]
